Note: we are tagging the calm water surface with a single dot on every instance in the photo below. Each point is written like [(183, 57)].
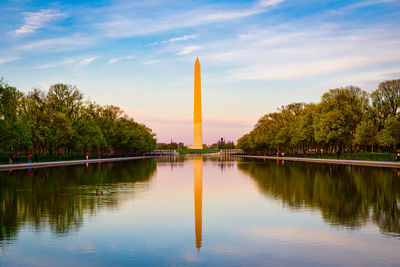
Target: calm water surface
[(200, 211)]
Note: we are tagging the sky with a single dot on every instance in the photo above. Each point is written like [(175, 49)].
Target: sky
[(255, 55)]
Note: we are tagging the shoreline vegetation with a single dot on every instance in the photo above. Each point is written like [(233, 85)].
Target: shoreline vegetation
[(348, 123), (61, 125), (368, 156), (196, 151), (332, 161)]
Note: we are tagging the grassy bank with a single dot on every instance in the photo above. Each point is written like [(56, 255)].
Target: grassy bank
[(351, 156), (23, 158), (196, 151)]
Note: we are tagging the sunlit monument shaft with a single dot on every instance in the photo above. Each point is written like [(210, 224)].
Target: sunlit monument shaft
[(197, 127), (198, 198)]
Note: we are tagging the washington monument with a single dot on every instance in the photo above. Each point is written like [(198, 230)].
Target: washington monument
[(197, 120)]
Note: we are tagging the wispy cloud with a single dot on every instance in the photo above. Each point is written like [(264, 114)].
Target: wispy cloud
[(83, 62), (298, 69), (114, 60), (67, 61), (117, 59), (182, 38), (37, 20), (367, 3), (7, 59), (86, 61), (175, 39), (190, 49), (228, 15), (74, 62), (124, 24), (319, 49), (151, 62), (57, 44), (270, 2)]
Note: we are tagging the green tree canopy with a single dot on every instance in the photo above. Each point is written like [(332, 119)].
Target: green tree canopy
[(62, 121), (345, 118)]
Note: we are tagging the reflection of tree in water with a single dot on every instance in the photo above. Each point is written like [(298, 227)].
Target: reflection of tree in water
[(346, 195), (37, 200)]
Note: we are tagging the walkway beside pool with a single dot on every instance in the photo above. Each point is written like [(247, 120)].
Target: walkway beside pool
[(387, 164), (6, 167)]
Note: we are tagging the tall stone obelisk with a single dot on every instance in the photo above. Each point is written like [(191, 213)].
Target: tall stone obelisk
[(197, 120)]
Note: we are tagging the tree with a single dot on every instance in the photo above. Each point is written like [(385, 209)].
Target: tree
[(390, 135), (344, 119), (338, 114), (62, 122), (244, 142), (386, 100), (34, 116), (286, 125), (303, 132), (64, 104), (10, 99), (366, 134), (88, 135)]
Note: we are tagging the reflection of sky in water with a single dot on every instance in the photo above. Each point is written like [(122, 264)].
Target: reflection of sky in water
[(153, 223)]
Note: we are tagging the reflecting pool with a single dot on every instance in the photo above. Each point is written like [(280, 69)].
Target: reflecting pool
[(200, 211)]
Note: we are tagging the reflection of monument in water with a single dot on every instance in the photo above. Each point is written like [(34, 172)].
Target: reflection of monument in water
[(197, 118), (198, 198)]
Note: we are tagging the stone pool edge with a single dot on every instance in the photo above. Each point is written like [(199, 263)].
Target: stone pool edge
[(385, 164), (6, 167)]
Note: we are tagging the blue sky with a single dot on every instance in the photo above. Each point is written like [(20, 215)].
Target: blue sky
[(255, 55)]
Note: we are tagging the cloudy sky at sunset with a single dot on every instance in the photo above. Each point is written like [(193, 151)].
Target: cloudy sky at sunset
[(255, 55)]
